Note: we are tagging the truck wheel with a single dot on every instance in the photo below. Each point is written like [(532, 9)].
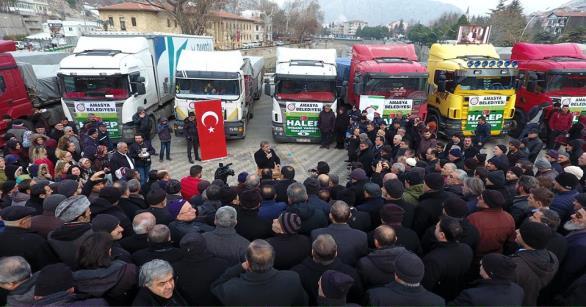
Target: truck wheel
[(517, 125), (250, 112)]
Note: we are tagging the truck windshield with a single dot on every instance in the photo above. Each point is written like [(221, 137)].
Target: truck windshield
[(394, 87), (557, 82), (95, 87), (468, 83), (306, 90), (208, 87)]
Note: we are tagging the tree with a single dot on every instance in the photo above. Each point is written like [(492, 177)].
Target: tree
[(442, 27), (278, 16), (305, 18), (507, 24), (191, 15), (378, 32), (421, 35), (573, 35)]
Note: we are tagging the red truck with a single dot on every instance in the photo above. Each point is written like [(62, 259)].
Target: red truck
[(387, 76), (548, 73)]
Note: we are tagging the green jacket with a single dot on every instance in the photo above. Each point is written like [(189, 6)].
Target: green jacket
[(412, 194)]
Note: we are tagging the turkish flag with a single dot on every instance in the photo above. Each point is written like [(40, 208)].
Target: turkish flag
[(210, 129)]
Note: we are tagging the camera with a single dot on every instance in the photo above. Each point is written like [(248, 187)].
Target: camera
[(223, 171)]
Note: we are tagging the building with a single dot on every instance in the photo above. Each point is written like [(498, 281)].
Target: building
[(265, 29), (352, 26), (561, 21), (395, 25), (137, 17), (231, 31), (33, 12)]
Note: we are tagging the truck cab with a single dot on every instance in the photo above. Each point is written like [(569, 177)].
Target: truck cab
[(549, 74), (204, 75), (388, 72), (303, 83), (467, 82)]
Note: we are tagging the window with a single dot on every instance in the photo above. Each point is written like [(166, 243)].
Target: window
[(111, 21), (257, 27), (122, 24), (133, 21), (168, 23), (2, 85)]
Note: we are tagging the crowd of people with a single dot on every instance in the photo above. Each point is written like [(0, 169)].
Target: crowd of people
[(87, 222)]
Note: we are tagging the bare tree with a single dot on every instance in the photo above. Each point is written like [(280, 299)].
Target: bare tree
[(304, 18), (191, 16)]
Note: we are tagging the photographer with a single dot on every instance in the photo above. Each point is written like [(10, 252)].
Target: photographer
[(141, 151)]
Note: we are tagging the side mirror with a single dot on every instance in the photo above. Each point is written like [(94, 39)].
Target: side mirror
[(140, 79)]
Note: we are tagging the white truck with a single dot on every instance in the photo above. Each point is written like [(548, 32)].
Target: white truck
[(111, 74), (303, 83), (225, 75)]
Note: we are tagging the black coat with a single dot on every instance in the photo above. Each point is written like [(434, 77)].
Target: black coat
[(195, 273), (372, 206), (310, 272), (352, 243), (366, 157), (131, 205), (535, 270), (281, 188), (491, 292), (146, 298), (446, 267), (102, 206), (310, 218), (358, 189), (290, 250), (190, 130), (409, 214), (406, 237), (395, 294), (429, 210), (470, 236), (163, 251), (135, 242), (135, 149), (378, 268), (271, 288), (251, 226), (326, 121), (118, 160), (162, 215), (342, 122), (31, 246), (260, 157), (142, 124)]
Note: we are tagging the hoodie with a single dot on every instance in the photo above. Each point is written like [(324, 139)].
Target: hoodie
[(535, 269), (19, 198), (115, 283), (412, 194), (23, 295), (378, 267), (66, 240)]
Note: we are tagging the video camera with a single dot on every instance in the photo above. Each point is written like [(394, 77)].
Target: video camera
[(223, 171)]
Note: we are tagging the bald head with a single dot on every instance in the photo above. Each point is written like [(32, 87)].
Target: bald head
[(389, 176), (159, 234), (324, 180), (143, 223), (384, 235)]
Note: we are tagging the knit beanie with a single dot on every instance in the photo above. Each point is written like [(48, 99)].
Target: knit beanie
[(290, 222), (105, 223), (535, 234), (567, 181), (497, 178), (72, 208), (394, 188), (542, 164), (574, 170), (111, 194), (409, 268), (456, 207), (52, 201), (174, 207), (242, 177), (68, 187), (335, 285), (493, 199), (434, 181), (502, 147)]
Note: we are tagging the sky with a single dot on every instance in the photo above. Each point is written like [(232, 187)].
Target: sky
[(482, 7)]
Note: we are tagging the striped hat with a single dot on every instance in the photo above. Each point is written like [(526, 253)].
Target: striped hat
[(290, 222)]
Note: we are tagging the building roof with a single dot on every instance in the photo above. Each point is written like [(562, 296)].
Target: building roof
[(227, 15), (570, 13), (130, 6)]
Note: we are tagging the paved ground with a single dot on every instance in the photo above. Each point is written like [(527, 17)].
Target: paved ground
[(240, 152)]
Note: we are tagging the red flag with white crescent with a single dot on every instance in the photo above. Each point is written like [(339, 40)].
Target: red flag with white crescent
[(210, 129)]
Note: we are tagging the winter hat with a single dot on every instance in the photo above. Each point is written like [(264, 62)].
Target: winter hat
[(515, 143), (11, 159), (358, 174), (499, 163), (413, 178), (535, 234), (481, 158), (140, 109), (493, 199), (162, 119), (68, 187), (250, 199), (335, 285), (173, 186), (434, 181), (392, 214), (542, 164), (456, 152), (71, 208), (22, 178), (91, 131), (105, 223), (50, 203), (39, 188), (155, 196), (470, 163), (411, 162), (290, 222), (372, 189), (193, 241), (574, 170), (517, 171), (497, 178), (175, 206), (15, 213), (567, 181), (553, 153), (111, 194), (563, 153), (409, 268), (502, 147), (394, 188), (242, 177), (52, 279), (456, 207), (499, 266)]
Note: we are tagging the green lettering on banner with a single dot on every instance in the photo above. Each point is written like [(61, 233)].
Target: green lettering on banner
[(577, 107), (105, 111), (301, 119), (491, 107)]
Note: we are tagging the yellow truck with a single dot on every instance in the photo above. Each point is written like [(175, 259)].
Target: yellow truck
[(467, 82)]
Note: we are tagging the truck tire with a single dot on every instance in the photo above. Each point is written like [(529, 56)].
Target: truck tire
[(250, 112), (517, 124)]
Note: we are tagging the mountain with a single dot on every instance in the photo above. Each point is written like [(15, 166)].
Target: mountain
[(574, 5), (381, 12)]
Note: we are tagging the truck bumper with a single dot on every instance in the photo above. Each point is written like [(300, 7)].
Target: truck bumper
[(232, 130), (450, 127), (280, 137)]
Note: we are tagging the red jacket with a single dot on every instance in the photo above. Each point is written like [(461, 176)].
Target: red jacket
[(189, 187), (496, 227), (560, 121)]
